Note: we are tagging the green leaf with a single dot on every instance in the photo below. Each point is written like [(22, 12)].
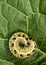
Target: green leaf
[(3, 27), (42, 7), (3, 62), (27, 16)]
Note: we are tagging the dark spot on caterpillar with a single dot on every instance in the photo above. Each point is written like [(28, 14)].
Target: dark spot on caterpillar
[(21, 55), (15, 51), (33, 51), (19, 35), (35, 46), (28, 54), (14, 38), (12, 44), (26, 38), (23, 35)]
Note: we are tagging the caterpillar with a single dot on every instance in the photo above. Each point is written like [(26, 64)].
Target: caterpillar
[(21, 45)]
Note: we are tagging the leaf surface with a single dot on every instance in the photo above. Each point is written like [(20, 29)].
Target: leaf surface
[(26, 16)]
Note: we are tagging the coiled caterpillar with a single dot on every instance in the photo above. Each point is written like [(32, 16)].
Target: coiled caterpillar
[(21, 45)]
